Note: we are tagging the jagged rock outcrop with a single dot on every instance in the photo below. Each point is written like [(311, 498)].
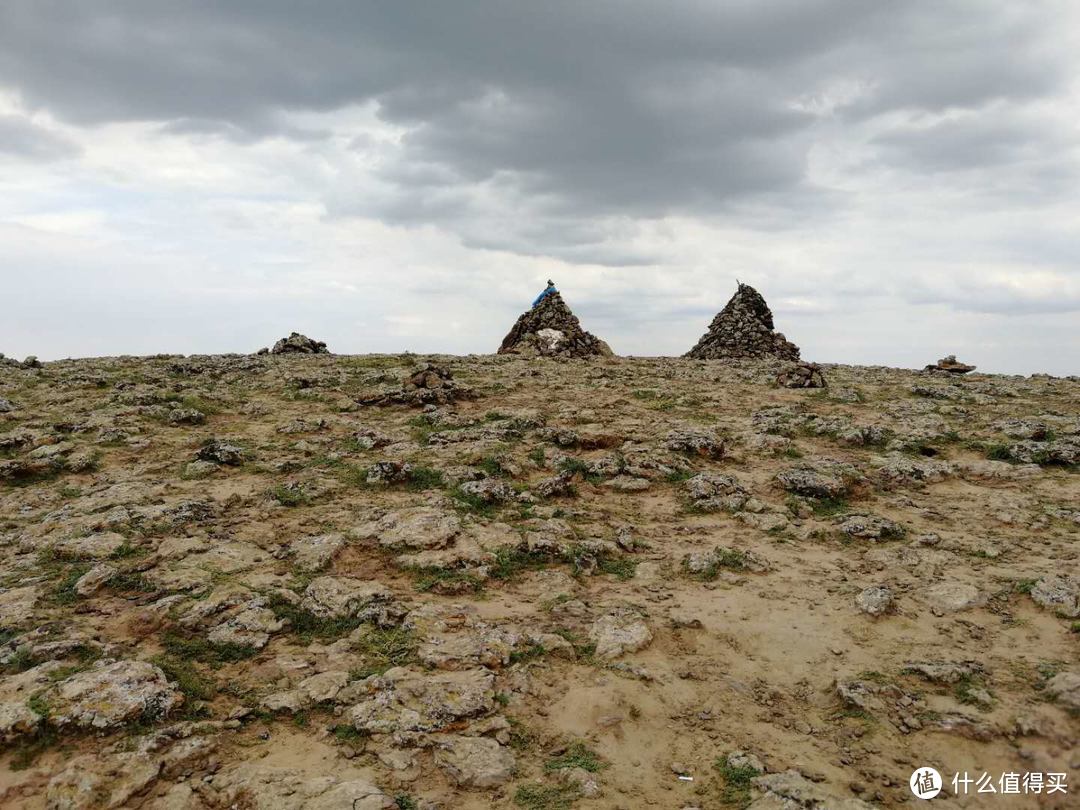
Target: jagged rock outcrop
[(743, 329), (550, 329)]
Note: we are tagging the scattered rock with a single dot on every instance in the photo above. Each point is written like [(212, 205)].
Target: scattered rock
[(1059, 593), (344, 597), (478, 762), (619, 632), (110, 694), (402, 700), (220, 452), (1065, 688), (875, 600), (952, 597)]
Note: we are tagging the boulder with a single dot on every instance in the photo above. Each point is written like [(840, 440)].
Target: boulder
[(344, 597), (619, 632), (111, 694), (478, 762)]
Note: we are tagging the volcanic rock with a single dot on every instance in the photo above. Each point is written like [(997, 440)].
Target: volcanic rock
[(550, 329), (743, 329)]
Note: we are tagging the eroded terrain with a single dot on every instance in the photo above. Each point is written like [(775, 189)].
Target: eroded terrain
[(289, 582)]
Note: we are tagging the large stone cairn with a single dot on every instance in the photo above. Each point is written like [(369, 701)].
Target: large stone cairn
[(743, 329), (550, 329), (296, 343)]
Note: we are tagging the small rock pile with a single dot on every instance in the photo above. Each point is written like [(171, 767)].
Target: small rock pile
[(951, 365), (743, 329), (801, 375), (296, 343), (29, 362), (428, 384), (550, 329)]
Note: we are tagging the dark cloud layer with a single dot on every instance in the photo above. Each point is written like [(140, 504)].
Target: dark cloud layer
[(580, 109)]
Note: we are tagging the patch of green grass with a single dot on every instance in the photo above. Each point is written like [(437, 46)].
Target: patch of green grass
[(538, 456), (546, 797), (679, 476), (422, 478), (826, 507), (471, 502), (405, 802), (510, 562), (527, 653), (204, 406), (70, 492), (197, 648), (577, 466), (735, 782), (308, 626), (1074, 627), (583, 648), (186, 676), (345, 733), (576, 755), (63, 593), (964, 690), (354, 475), (384, 649), (130, 582), (433, 579), (422, 429), (289, 495), (723, 558), (521, 738), (998, 452), (26, 750), (492, 467), (1024, 585), (623, 568)]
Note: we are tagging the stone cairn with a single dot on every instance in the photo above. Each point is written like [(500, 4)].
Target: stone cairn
[(297, 344), (743, 329), (951, 365), (801, 375), (427, 384), (550, 329)]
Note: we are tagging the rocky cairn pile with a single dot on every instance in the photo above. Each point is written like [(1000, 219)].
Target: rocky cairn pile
[(801, 375), (550, 329), (743, 329), (950, 365), (427, 384), (296, 343)]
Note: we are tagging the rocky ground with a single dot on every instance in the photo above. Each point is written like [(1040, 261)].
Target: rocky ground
[(293, 582)]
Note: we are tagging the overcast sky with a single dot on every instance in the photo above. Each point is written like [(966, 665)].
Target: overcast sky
[(899, 179)]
